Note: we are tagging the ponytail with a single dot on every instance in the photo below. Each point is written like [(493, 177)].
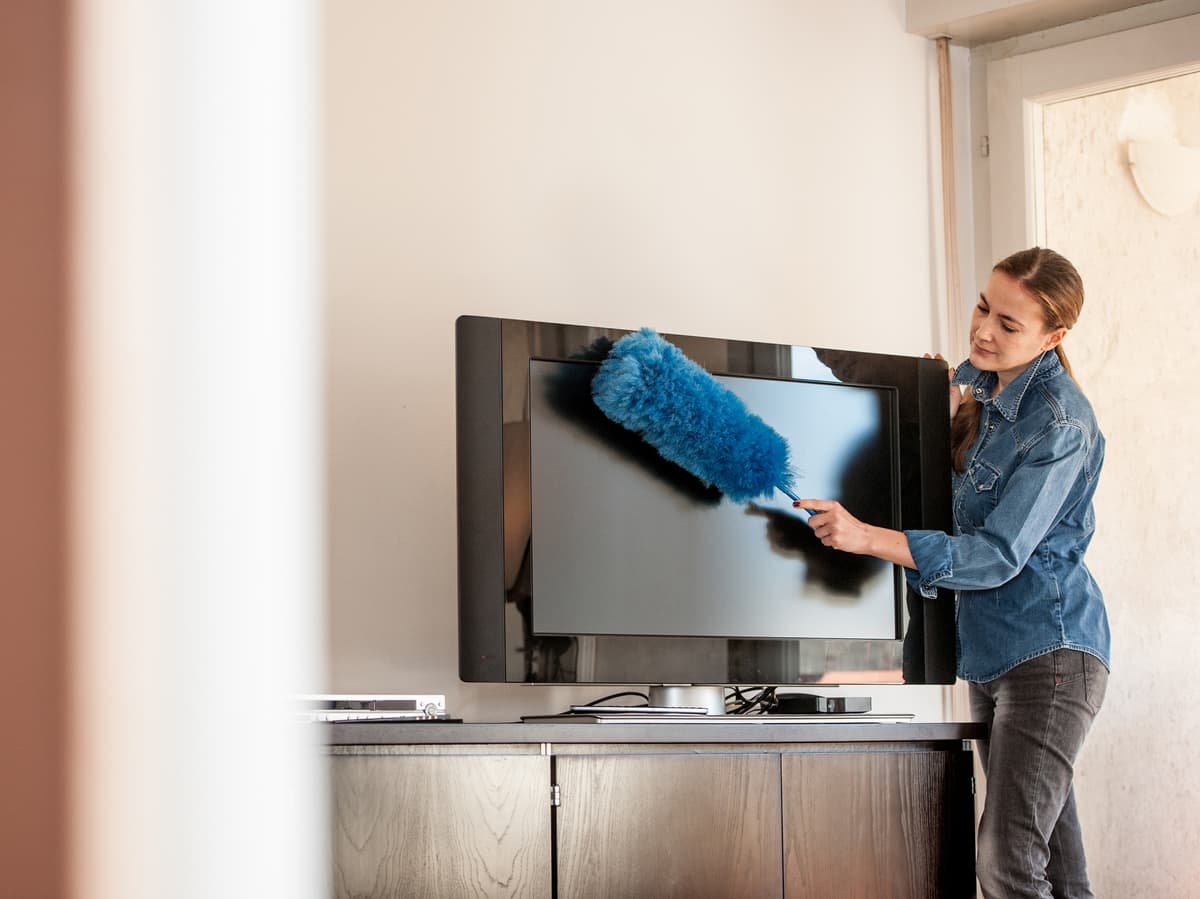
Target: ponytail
[(1062, 357), (963, 428)]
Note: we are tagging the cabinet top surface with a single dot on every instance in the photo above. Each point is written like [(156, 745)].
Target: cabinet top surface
[(750, 731)]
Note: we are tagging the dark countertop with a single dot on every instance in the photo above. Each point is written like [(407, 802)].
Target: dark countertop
[(744, 730)]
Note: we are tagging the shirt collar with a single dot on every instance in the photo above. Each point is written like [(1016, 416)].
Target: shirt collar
[(1008, 402)]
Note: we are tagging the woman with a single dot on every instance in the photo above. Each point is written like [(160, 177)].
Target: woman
[(1033, 638)]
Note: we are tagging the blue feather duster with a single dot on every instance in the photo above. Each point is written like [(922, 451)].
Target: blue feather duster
[(649, 386)]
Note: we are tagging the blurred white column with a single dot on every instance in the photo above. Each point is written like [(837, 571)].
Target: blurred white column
[(198, 571)]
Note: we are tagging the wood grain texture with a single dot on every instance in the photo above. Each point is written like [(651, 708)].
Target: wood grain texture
[(441, 827), (864, 825), (687, 826)]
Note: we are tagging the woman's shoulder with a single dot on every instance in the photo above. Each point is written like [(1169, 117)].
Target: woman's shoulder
[(1059, 402)]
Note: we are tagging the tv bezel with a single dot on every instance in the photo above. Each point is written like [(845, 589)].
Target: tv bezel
[(492, 358)]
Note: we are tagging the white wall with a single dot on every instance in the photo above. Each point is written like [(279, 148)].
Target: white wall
[(752, 170), (196, 529), (1134, 350)]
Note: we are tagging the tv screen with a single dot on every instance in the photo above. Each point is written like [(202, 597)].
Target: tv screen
[(585, 557), (714, 568)]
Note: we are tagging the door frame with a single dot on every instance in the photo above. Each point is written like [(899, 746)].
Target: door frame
[(1018, 88)]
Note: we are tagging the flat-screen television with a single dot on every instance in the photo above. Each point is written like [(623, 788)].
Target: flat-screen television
[(584, 557)]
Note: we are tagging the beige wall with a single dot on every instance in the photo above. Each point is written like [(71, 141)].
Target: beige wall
[(755, 170), (1134, 350)]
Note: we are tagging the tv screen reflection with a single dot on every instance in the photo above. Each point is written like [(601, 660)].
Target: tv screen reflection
[(628, 543)]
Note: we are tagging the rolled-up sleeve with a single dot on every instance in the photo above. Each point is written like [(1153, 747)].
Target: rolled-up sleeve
[(997, 551), (931, 551)]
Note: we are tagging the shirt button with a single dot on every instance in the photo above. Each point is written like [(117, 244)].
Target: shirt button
[(979, 391), (991, 427)]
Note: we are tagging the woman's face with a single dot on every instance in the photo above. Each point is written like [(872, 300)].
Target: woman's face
[(1008, 330)]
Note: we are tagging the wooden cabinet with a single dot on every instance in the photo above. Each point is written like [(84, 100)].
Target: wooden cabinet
[(628, 820), (440, 826), (860, 825), (692, 826)]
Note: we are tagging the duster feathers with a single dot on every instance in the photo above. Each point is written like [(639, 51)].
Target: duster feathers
[(649, 386)]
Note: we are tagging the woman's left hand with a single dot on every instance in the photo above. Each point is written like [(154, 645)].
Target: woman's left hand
[(955, 390), (835, 527)]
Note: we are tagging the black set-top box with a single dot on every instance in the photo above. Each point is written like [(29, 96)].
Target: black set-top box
[(813, 704)]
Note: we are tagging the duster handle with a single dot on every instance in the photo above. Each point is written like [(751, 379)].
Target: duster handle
[(788, 493)]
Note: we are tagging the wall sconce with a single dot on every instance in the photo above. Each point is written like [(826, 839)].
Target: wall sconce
[(1167, 174)]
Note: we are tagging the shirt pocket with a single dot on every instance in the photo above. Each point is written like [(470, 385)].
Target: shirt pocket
[(978, 494), (983, 476)]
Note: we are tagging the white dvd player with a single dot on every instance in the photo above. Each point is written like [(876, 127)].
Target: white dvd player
[(373, 707)]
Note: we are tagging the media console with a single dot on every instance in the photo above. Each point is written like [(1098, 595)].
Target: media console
[(750, 809)]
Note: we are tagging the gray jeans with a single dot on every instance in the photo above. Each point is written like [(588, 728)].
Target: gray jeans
[(1030, 843)]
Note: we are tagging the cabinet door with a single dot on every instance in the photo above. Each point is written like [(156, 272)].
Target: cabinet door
[(703, 826), (441, 826), (869, 824)]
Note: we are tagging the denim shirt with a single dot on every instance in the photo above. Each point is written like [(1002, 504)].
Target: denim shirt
[(1022, 521)]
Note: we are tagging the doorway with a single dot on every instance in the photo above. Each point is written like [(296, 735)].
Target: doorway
[(1060, 125)]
